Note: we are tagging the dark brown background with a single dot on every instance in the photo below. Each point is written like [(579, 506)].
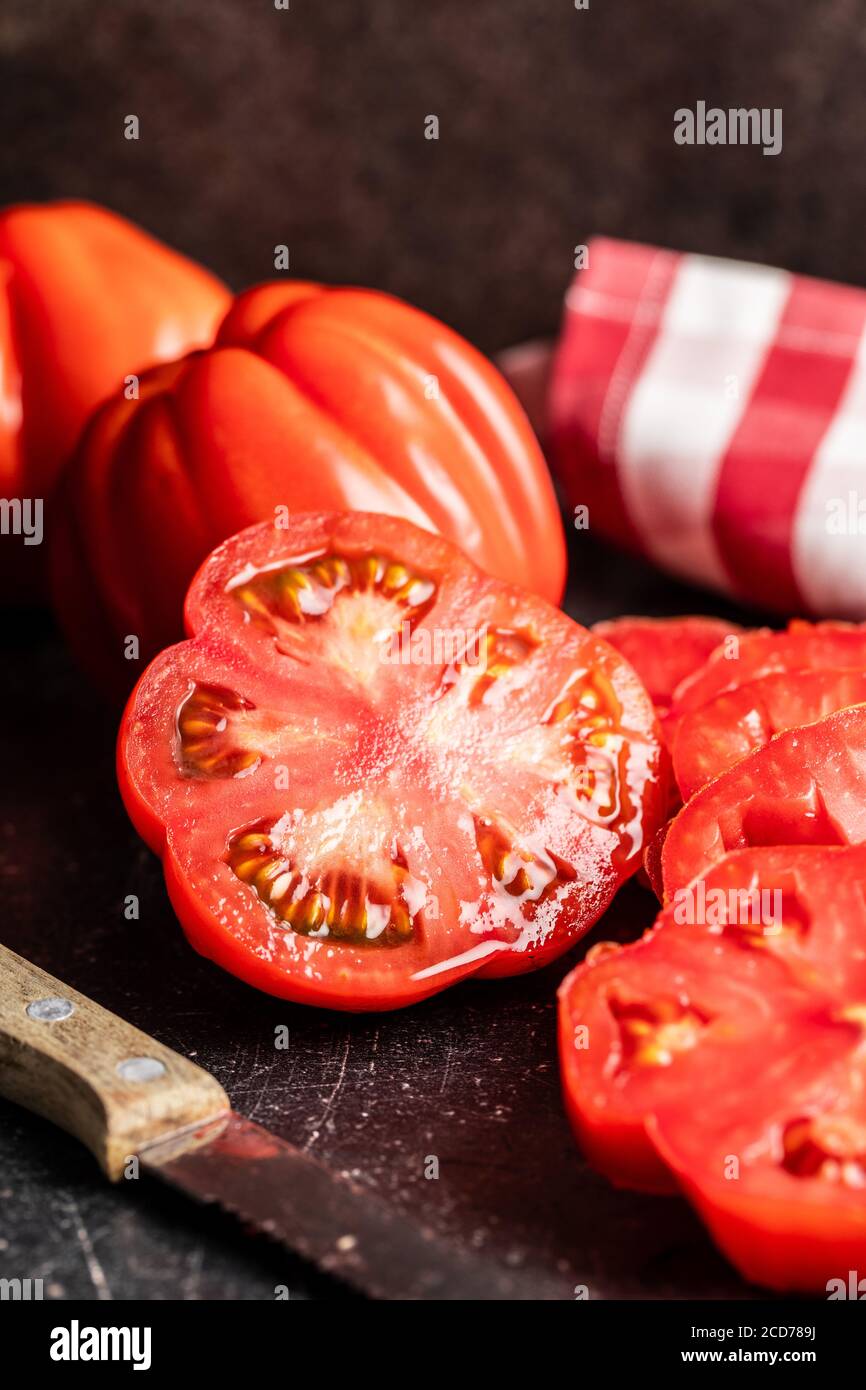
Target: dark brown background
[(260, 127), (306, 127)]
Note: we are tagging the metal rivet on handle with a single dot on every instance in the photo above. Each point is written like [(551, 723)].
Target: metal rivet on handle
[(140, 1069), (50, 1010)]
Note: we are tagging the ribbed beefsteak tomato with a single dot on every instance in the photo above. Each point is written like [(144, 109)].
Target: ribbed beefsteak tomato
[(311, 399), (374, 770), (86, 299)]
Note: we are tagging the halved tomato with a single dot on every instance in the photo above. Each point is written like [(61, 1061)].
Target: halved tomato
[(773, 1154), (718, 734), (665, 651), (375, 770), (802, 647), (807, 786), (768, 935)]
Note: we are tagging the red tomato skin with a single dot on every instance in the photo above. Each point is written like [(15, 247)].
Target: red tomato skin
[(312, 399), (715, 736), (665, 651), (757, 997), (803, 646), (262, 976), (791, 1234), (806, 786), (652, 860), (783, 1249), (611, 1132), (621, 1151), (86, 299), (148, 778)]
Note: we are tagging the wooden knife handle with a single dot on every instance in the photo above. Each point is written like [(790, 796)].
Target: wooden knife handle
[(97, 1077)]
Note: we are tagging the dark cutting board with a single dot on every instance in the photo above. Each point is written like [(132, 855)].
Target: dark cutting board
[(469, 1077)]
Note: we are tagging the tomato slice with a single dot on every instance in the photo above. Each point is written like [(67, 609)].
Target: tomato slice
[(374, 770), (665, 651), (646, 1027), (806, 786), (773, 1154), (718, 734), (802, 647), (651, 868)]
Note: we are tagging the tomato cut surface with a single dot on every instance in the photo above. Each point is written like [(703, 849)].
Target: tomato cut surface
[(665, 651), (773, 1156), (718, 734), (806, 786), (374, 770), (766, 938), (802, 647)]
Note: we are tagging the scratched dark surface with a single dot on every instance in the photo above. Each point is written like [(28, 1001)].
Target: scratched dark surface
[(306, 127), (469, 1076)]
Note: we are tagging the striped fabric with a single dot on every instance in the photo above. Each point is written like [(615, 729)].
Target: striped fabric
[(712, 415)]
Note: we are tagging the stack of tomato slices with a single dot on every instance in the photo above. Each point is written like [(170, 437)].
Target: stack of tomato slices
[(724, 1053)]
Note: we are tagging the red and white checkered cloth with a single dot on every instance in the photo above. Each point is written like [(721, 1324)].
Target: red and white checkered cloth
[(712, 415)]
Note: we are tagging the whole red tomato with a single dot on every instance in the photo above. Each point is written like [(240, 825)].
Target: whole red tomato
[(311, 399), (86, 299)]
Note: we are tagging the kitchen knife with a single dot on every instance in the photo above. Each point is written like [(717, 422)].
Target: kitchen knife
[(124, 1095)]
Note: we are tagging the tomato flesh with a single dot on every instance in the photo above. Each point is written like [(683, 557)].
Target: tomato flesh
[(373, 770), (645, 1028), (665, 651), (802, 647), (714, 737), (722, 1058), (806, 786), (774, 1156)]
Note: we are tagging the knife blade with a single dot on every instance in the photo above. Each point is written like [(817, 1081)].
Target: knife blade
[(126, 1095), (326, 1218)]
